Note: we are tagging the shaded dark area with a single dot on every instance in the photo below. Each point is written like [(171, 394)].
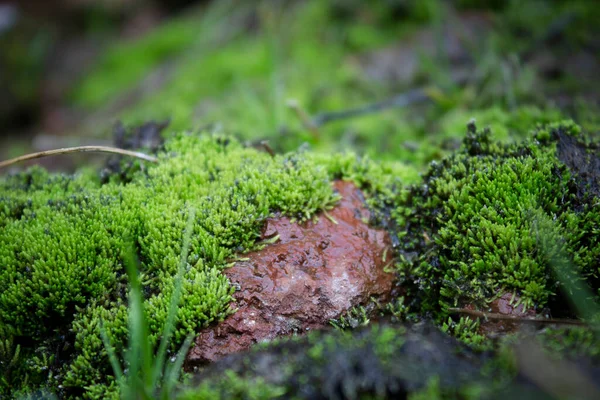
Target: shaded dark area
[(146, 137), (349, 365), (583, 160)]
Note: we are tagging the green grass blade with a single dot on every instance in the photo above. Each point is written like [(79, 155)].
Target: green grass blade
[(139, 353), (173, 370), (173, 307), (574, 286)]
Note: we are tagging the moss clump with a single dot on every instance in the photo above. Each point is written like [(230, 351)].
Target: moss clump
[(64, 240), (467, 331), (490, 219), (233, 386), (574, 342), (496, 218)]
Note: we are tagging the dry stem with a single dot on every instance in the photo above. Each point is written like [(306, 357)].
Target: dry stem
[(79, 149)]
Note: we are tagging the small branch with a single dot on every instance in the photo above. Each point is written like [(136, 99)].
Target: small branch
[(79, 149), (401, 100), (265, 145), (313, 124), (304, 118), (495, 316)]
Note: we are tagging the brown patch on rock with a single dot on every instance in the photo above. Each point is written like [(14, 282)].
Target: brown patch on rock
[(503, 306), (315, 272)]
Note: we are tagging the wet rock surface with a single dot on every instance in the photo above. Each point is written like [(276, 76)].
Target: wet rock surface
[(314, 272)]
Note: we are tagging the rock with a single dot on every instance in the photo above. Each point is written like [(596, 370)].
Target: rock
[(314, 272)]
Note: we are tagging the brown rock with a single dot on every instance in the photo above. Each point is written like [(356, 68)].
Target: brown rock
[(314, 272)]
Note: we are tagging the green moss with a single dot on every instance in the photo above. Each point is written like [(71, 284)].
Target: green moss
[(308, 52), (128, 62), (353, 318), (299, 54), (492, 218), (467, 331), (496, 218), (214, 72), (231, 386), (506, 126), (571, 342), (64, 240)]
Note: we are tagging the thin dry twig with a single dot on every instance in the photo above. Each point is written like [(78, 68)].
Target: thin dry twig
[(514, 318), (79, 149), (265, 145)]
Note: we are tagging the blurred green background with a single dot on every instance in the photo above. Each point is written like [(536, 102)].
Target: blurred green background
[(70, 70)]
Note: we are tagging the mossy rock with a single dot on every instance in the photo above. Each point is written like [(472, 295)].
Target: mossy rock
[(532, 207), (65, 239), (491, 218)]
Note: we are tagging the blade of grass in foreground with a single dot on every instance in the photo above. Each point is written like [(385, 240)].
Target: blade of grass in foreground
[(574, 286), (172, 371), (138, 357), (170, 322), (146, 373)]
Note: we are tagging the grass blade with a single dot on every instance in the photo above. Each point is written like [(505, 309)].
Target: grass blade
[(172, 371), (170, 322), (138, 357)]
